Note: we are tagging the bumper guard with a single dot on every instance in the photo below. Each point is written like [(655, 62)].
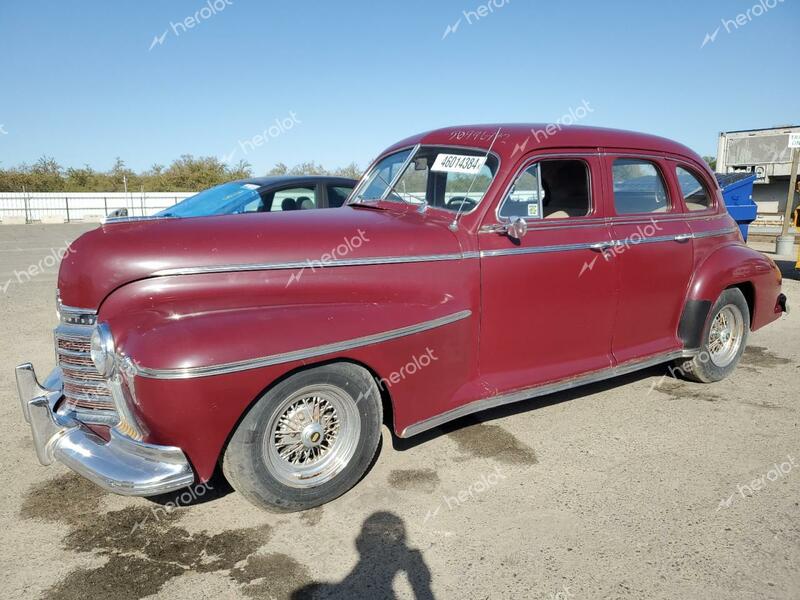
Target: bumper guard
[(122, 465)]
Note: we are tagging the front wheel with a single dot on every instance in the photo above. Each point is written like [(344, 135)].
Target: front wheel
[(308, 440), (724, 339)]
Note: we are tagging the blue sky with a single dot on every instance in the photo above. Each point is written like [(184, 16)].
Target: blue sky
[(82, 83)]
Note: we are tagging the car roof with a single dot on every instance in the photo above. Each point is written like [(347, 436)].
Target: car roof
[(271, 180), (524, 137)]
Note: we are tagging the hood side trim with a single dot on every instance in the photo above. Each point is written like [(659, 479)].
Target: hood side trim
[(279, 266), (305, 353)]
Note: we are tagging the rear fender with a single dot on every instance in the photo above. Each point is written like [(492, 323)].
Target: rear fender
[(730, 265)]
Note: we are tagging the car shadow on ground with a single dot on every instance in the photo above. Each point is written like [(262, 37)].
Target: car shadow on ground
[(522, 406), (215, 488), (383, 554)]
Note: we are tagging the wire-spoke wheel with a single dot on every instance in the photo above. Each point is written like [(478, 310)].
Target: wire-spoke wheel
[(307, 440), (723, 341), (313, 435), (725, 335)]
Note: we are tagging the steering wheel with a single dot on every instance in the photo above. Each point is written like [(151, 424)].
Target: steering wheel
[(461, 203)]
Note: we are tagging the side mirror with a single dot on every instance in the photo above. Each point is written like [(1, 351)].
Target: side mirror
[(517, 228)]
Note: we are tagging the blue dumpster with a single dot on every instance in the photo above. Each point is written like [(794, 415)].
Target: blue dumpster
[(737, 191)]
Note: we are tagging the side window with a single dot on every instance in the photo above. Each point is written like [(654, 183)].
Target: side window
[(337, 194), (298, 198), (638, 187), (694, 192), (550, 189)]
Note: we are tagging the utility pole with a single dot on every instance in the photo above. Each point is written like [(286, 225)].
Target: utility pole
[(784, 246), (128, 201)]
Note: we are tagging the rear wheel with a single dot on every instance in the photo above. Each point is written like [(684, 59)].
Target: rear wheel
[(307, 440), (724, 339)]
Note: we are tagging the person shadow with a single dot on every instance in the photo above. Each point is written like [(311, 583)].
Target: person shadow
[(383, 554)]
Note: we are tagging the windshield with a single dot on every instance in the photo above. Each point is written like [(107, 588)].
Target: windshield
[(450, 178), (375, 183), (225, 199)]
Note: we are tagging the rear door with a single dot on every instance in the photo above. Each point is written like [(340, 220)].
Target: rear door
[(653, 254)]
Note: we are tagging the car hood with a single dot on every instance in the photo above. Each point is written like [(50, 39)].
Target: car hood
[(118, 253)]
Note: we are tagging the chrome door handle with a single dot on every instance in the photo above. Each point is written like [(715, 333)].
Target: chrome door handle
[(682, 237), (601, 246)]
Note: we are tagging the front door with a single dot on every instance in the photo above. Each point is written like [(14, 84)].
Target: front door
[(653, 256), (548, 299)]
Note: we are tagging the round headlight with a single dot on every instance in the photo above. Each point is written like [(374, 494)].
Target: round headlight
[(102, 349)]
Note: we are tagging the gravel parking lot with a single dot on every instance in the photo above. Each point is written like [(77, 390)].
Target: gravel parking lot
[(638, 487)]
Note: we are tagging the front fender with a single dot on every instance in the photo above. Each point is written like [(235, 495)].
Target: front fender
[(174, 328)]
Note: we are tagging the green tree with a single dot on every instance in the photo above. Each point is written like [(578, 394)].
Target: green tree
[(279, 169), (712, 162), (352, 170), (185, 174)]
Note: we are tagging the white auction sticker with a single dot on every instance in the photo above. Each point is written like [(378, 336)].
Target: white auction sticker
[(458, 163)]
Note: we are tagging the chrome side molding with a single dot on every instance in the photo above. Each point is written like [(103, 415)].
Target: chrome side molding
[(302, 354), (542, 390), (393, 260), (282, 266)]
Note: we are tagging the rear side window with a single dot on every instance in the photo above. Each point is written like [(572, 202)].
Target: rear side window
[(299, 198), (337, 194), (694, 192), (550, 189), (638, 187)]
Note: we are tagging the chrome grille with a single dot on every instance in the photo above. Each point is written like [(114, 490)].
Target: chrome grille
[(86, 392)]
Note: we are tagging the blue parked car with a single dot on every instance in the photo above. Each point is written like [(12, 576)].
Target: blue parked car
[(265, 194)]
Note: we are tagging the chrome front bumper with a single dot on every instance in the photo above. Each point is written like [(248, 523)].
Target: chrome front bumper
[(122, 465)]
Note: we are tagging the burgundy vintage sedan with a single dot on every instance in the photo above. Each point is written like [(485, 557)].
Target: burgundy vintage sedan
[(472, 267)]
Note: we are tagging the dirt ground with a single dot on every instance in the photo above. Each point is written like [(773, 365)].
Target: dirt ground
[(638, 487)]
